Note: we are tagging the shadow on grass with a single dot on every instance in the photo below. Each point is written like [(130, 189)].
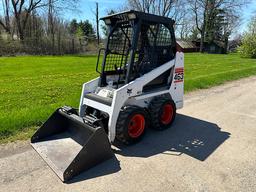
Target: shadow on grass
[(194, 137)]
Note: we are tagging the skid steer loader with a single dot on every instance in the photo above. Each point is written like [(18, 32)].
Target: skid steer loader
[(140, 85)]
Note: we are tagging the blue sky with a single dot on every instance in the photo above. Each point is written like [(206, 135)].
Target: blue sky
[(248, 12), (88, 6)]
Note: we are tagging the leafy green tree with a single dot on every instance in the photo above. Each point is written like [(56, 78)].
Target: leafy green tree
[(83, 28), (248, 47), (79, 32), (87, 28)]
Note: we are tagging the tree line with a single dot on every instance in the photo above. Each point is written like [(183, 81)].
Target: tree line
[(36, 27)]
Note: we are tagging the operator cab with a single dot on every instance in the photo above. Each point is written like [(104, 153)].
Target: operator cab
[(137, 43)]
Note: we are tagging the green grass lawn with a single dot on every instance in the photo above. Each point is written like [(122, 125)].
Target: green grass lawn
[(32, 87)]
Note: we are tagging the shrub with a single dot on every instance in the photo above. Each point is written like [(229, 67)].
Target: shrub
[(248, 47)]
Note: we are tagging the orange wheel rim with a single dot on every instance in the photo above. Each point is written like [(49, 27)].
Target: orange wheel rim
[(167, 114), (136, 126)]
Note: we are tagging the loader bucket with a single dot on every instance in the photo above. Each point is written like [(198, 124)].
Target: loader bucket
[(70, 146)]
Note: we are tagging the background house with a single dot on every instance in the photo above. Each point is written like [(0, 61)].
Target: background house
[(194, 46), (186, 46), (214, 47)]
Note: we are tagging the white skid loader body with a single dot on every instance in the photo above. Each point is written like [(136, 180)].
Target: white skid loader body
[(132, 94), (140, 86)]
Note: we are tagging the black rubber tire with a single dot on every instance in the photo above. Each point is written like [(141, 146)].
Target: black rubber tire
[(156, 110), (123, 121)]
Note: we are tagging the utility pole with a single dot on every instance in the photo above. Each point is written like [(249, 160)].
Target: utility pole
[(97, 22), (51, 24)]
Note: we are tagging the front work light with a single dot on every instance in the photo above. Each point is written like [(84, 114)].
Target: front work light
[(107, 21), (131, 16)]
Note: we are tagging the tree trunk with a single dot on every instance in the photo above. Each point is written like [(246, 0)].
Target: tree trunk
[(20, 30), (202, 41), (205, 20), (53, 43), (59, 42), (226, 44), (73, 45)]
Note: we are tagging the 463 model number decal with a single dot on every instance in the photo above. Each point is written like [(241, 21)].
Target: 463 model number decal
[(179, 75)]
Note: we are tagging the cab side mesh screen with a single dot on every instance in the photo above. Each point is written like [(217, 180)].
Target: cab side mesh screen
[(154, 48), (118, 48)]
